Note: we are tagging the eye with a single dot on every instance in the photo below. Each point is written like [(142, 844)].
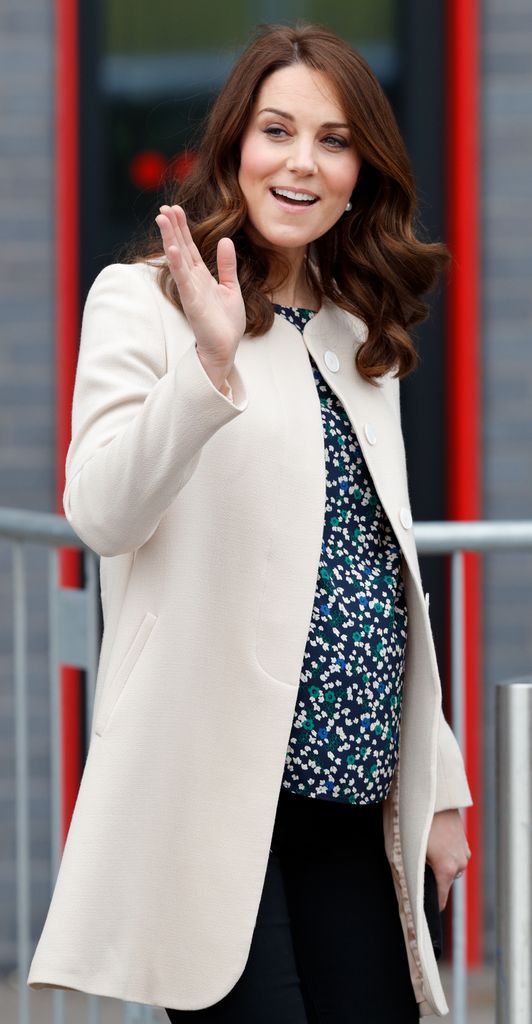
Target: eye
[(336, 141), (273, 129)]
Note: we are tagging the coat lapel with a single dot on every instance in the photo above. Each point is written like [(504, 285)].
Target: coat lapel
[(372, 411)]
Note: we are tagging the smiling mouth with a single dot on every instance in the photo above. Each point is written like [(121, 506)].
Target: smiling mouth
[(293, 197)]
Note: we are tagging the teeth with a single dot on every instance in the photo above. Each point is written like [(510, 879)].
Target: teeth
[(300, 196)]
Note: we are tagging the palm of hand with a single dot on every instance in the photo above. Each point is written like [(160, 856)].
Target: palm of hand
[(205, 297), (214, 309)]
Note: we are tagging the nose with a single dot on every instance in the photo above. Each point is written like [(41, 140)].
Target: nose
[(302, 161)]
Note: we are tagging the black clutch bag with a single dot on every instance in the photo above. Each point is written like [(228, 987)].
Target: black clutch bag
[(432, 911)]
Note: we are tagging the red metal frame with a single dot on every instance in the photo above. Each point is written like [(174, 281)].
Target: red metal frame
[(67, 330), (463, 392)]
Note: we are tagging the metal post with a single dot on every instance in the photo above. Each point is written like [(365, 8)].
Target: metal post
[(58, 998), (91, 565), (22, 780), (458, 703), (514, 850)]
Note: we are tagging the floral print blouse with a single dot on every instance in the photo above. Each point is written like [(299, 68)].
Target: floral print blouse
[(344, 739)]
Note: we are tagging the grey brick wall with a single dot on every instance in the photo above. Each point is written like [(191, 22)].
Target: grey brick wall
[(27, 460), (507, 358)]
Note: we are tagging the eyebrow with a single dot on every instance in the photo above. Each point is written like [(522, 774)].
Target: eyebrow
[(290, 117)]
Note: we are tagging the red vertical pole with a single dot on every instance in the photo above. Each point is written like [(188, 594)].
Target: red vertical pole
[(67, 330), (463, 391)]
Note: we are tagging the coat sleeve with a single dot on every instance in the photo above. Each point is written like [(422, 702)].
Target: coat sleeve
[(137, 429), (452, 789)]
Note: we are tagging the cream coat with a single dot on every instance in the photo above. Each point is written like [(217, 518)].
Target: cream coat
[(208, 516)]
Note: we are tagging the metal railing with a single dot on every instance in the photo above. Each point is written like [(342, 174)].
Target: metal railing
[(73, 630), (456, 539), (74, 640), (514, 851)]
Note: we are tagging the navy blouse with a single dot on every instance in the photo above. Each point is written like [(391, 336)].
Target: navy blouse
[(344, 740)]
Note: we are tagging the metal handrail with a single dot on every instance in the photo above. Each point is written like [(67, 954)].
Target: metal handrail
[(444, 538), (434, 538), (48, 528)]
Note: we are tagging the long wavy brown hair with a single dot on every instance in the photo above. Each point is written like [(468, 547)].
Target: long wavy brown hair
[(370, 262)]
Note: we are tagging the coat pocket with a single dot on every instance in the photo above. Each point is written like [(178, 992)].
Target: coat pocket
[(114, 687)]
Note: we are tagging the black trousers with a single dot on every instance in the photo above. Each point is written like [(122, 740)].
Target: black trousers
[(328, 946)]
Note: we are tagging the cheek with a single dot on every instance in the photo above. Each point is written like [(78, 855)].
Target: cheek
[(252, 164), (345, 177)]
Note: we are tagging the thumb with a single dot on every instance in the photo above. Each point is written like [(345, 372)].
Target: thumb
[(443, 895), (226, 260)]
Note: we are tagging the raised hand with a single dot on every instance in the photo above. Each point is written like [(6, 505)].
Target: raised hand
[(214, 309)]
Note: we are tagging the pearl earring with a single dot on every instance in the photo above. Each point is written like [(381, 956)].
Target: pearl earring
[(349, 207)]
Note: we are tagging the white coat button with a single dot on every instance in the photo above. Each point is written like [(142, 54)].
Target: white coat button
[(331, 361), (370, 433), (405, 516)]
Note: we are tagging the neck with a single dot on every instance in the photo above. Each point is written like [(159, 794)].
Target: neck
[(295, 290)]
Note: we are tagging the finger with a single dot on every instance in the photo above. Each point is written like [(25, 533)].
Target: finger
[(226, 261), (165, 221), (179, 270), (181, 218), (170, 213), (167, 231), (443, 894), (173, 253), (444, 875)]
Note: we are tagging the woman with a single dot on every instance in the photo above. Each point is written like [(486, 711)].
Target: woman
[(248, 842)]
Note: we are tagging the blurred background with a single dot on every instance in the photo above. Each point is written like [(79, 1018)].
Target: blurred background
[(101, 99)]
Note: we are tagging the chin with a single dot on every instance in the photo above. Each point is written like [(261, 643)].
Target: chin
[(284, 241), (278, 240)]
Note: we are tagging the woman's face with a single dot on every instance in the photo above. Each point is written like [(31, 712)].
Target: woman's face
[(298, 162)]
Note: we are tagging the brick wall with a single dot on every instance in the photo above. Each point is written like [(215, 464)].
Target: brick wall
[(27, 471), (507, 358)]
